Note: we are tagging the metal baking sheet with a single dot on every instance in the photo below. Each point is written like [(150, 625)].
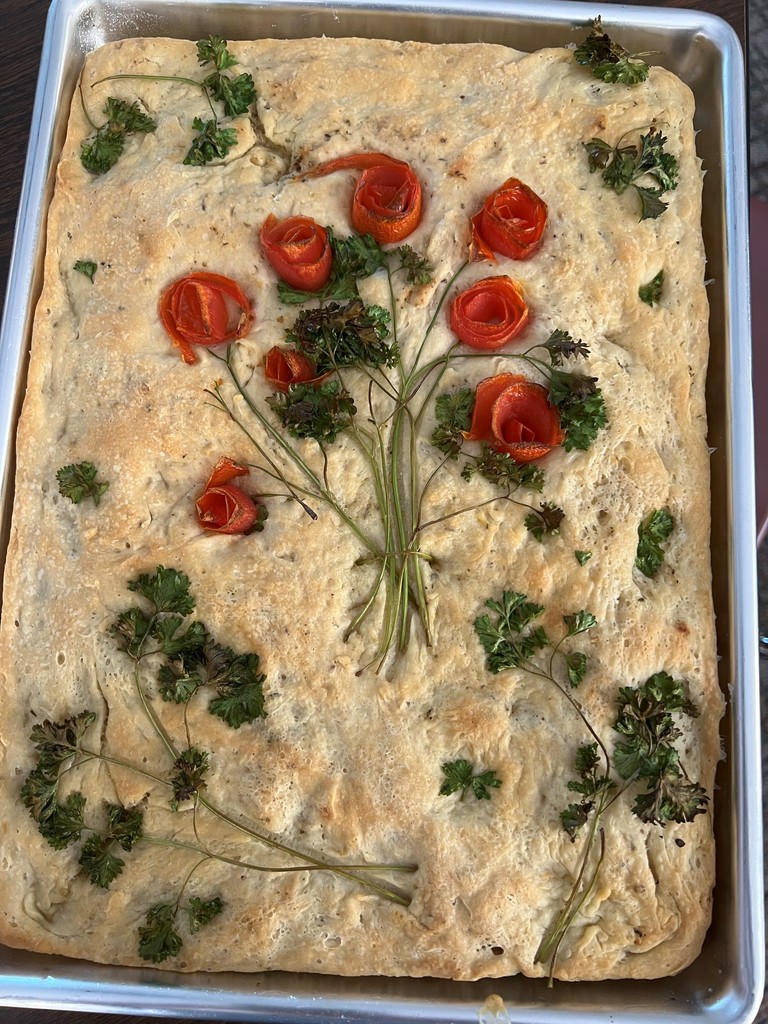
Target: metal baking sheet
[(725, 984)]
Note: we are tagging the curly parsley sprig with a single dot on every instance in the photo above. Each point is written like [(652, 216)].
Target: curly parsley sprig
[(626, 166), (608, 60)]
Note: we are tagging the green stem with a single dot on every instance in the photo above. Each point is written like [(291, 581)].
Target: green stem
[(163, 78)]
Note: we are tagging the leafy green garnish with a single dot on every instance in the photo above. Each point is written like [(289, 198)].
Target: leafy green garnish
[(545, 520), (202, 912), (499, 468), (191, 767), (453, 412), (651, 292), (581, 407), (78, 481), (582, 557), (590, 784), (210, 143), (609, 61), (651, 533), (158, 938), (236, 94), (124, 828), (460, 776), (85, 267), (102, 149), (507, 641), (624, 166), (336, 336), (321, 412), (561, 345)]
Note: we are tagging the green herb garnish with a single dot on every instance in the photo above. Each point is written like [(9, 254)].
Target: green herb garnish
[(78, 481), (210, 143), (609, 61), (236, 94), (651, 292), (651, 534), (101, 150), (624, 166), (86, 267), (582, 557), (460, 777)]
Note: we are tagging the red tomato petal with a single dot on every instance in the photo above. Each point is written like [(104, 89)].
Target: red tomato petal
[(299, 250), (511, 222), (487, 392), (524, 423), (226, 509), (489, 314), (204, 309), (286, 366)]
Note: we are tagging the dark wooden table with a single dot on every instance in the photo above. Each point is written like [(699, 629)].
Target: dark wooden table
[(23, 23)]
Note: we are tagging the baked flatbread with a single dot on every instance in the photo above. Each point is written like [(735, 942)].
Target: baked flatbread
[(347, 765)]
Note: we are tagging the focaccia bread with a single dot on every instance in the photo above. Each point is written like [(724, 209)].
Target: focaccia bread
[(358, 739)]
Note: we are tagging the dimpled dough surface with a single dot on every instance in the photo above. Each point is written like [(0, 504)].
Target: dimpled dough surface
[(348, 766)]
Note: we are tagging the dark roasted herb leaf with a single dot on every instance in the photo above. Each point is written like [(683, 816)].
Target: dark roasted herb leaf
[(581, 407), (453, 412), (561, 345), (544, 521), (651, 292), (191, 767), (240, 694), (418, 269), (460, 776), (335, 336), (173, 641), (609, 61), (78, 481), (201, 912), (651, 533), (65, 823), (57, 742), (102, 149), (85, 267), (499, 468), (590, 784), (99, 863), (158, 940), (321, 412), (124, 825), (574, 817), (625, 166), (210, 143)]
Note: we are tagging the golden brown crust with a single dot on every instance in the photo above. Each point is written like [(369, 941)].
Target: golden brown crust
[(348, 765)]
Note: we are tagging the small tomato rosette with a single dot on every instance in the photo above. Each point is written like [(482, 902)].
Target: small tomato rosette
[(489, 314), (285, 366), (387, 203), (511, 222), (514, 415), (204, 309), (223, 507), (299, 250)]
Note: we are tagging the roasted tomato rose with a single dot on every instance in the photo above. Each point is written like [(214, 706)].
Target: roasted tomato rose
[(204, 309), (299, 250), (223, 507), (387, 202), (489, 314), (511, 223), (514, 415), (286, 366)]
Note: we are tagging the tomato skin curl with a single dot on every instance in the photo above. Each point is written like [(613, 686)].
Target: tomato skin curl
[(286, 366), (204, 309), (299, 250), (387, 202), (224, 507), (511, 222), (514, 415), (489, 314)]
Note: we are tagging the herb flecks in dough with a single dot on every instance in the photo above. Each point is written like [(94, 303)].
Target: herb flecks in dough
[(460, 777), (85, 267), (78, 481), (625, 166), (609, 61), (103, 148), (651, 534), (650, 293)]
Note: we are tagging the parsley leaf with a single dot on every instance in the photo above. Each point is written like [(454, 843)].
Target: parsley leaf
[(582, 557), (102, 149), (167, 590), (579, 622), (237, 94), (191, 767), (85, 267), (460, 777), (561, 345), (335, 336), (590, 785), (499, 468), (65, 822), (651, 533), (624, 166), (651, 292), (321, 412), (201, 912), (78, 481), (545, 520), (211, 142), (239, 687), (581, 407), (418, 269), (609, 61), (124, 828), (158, 940), (504, 641), (453, 412)]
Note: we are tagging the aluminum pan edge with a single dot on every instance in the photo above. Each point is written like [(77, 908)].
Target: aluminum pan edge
[(724, 987)]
